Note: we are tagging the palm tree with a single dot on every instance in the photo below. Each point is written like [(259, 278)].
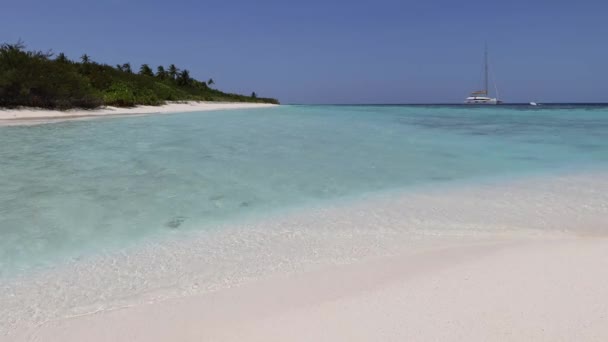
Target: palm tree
[(184, 78), (61, 58), (210, 82), (85, 58), (161, 73), (127, 68), (254, 95), (18, 46), (173, 70), (146, 70)]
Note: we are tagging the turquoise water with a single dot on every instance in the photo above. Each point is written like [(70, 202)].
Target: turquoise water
[(78, 188)]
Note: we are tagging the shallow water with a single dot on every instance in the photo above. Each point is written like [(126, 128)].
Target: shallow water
[(73, 189)]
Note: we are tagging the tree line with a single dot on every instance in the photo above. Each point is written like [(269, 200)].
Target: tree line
[(41, 79)]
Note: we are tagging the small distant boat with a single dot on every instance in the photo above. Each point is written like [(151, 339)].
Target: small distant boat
[(533, 104), (481, 97)]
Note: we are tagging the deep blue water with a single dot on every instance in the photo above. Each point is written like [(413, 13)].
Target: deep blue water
[(76, 188)]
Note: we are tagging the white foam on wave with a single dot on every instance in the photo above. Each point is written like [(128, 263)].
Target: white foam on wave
[(377, 225)]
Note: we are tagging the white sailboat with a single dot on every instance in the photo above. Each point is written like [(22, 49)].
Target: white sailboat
[(481, 97)]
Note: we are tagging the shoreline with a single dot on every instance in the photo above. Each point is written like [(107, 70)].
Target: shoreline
[(554, 289), (332, 262), (30, 116)]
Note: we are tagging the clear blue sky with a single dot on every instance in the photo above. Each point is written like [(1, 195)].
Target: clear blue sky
[(339, 51)]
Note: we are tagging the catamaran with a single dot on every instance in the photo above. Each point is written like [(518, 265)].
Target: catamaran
[(481, 96)]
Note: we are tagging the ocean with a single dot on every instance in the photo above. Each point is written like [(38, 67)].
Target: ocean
[(74, 190)]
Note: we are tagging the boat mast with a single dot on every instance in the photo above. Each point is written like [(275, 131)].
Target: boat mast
[(485, 70)]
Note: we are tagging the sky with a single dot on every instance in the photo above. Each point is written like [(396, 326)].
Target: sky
[(319, 51)]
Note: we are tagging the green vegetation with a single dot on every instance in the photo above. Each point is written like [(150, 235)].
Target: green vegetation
[(36, 79)]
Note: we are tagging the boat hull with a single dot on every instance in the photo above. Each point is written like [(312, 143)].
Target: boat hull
[(482, 101)]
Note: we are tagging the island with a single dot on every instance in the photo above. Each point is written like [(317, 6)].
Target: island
[(59, 87)]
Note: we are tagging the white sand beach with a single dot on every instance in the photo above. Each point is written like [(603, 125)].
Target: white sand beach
[(528, 265), (29, 116), (553, 290)]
